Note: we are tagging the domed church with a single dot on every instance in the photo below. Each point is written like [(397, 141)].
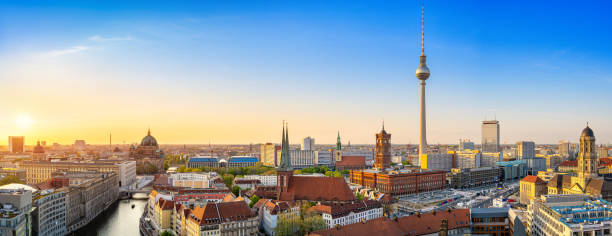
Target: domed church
[(587, 180), (148, 152)]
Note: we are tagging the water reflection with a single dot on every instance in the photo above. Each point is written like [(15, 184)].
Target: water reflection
[(119, 219)]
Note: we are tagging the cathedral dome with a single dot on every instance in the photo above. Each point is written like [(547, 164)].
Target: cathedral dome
[(587, 132), (148, 140), (38, 148)]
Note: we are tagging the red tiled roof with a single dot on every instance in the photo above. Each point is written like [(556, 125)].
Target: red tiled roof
[(605, 161), (430, 223), (274, 207), (569, 163), (352, 161), (533, 179), (378, 226), (409, 225), (161, 180), (317, 189), (214, 213), (165, 204)]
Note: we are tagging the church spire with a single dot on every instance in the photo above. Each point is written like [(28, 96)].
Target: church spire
[(285, 163), (338, 142)]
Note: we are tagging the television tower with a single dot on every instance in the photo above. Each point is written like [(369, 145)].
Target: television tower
[(422, 73)]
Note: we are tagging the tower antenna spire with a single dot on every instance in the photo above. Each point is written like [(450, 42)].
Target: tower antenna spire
[(423, 28)]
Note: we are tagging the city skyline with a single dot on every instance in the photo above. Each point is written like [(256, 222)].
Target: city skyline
[(194, 79)]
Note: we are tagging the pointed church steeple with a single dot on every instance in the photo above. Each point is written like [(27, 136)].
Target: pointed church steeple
[(338, 142), (285, 163)]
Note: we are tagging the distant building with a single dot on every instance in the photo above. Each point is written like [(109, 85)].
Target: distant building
[(301, 158), (587, 180), (490, 136), (564, 148), (325, 158), (266, 180), (402, 182), (242, 161), (38, 154), (490, 159), (202, 161), (437, 161), (308, 144), (190, 180), (383, 150), (473, 177), (80, 145), (466, 144), (268, 154), (344, 214), (37, 172), (467, 159), (148, 153), (16, 144), (532, 187), (513, 169), (525, 150)]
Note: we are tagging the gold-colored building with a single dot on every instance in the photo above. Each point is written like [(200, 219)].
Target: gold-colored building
[(532, 187), (587, 181)]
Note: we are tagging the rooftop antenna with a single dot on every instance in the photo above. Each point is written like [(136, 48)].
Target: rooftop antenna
[(423, 29)]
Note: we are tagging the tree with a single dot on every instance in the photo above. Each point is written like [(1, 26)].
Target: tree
[(11, 179), (228, 180), (166, 233), (345, 172), (292, 224), (181, 169), (166, 166), (254, 199), (359, 196), (236, 190), (329, 173), (323, 169), (406, 163), (297, 172), (337, 174)]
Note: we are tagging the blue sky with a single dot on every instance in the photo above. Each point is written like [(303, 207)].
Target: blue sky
[(230, 71)]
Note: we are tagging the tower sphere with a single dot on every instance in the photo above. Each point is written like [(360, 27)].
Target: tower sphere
[(422, 72)]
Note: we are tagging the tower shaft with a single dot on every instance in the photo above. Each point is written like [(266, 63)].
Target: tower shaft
[(423, 123)]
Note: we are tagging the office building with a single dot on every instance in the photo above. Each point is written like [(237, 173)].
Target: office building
[(16, 208), (325, 158), (308, 144), (569, 215), (473, 177), (40, 171), (490, 158), (265, 180), (49, 216), (564, 148), (513, 170), (525, 150), (268, 154), (190, 180), (467, 159), (437, 161), (16, 144), (301, 158), (490, 136)]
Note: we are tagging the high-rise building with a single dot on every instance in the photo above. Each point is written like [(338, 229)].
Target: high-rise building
[(308, 144), (525, 150), (422, 73), (490, 136), (269, 154), (564, 148), (16, 144), (383, 150)]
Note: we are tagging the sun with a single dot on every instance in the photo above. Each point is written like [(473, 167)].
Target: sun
[(24, 121)]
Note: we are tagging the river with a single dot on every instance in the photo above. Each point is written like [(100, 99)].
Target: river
[(118, 219)]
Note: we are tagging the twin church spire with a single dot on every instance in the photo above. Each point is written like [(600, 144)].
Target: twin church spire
[(285, 163)]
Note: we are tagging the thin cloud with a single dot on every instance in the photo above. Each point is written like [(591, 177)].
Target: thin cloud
[(62, 52), (99, 38)]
